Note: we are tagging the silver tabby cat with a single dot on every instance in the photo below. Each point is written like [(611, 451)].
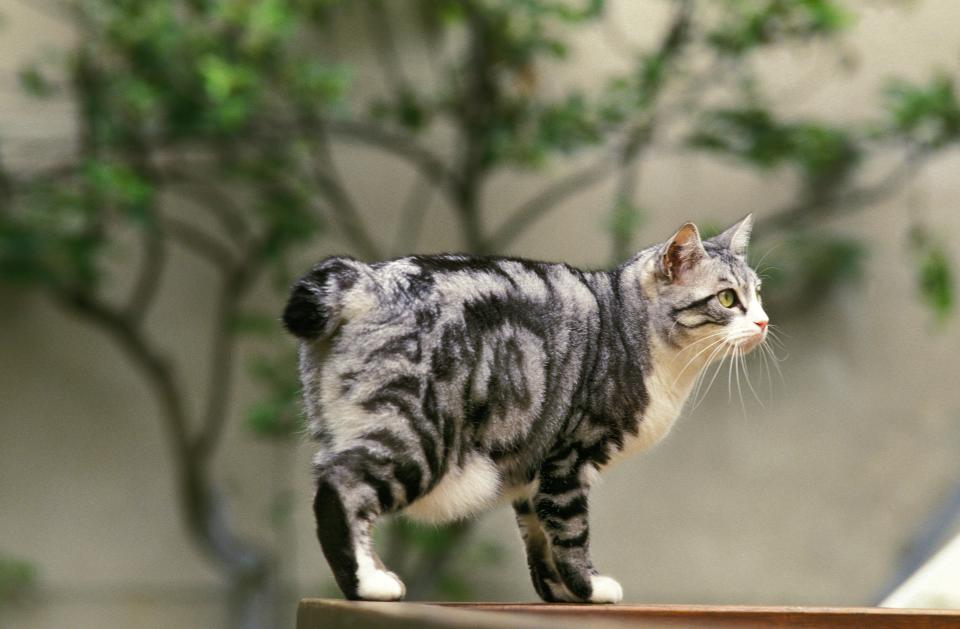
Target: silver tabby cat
[(440, 386)]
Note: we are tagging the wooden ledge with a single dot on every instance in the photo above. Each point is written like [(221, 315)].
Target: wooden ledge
[(336, 614)]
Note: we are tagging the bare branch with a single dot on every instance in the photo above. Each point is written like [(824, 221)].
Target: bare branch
[(414, 209), (638, 137), (234, 288), (148, 278), (199, 242), (548, 198), (399, 144), (155, 368), (381, 35), (325, 175), (205, 193), (346, 214), (851, 200), (628, 180)]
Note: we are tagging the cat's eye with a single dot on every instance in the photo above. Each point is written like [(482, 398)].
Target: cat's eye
[(759, 297), (727, 298)]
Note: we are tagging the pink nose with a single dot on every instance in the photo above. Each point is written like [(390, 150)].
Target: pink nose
[(762, 324)]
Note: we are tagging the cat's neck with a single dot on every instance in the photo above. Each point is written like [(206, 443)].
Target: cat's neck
[(676, 367)]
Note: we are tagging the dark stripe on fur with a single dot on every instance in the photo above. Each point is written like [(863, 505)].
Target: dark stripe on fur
[(333, 531)]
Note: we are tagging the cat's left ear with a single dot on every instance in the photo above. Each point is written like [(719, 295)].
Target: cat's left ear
[(737, 237)]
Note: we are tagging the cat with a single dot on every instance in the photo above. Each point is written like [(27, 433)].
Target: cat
[(442, 385)]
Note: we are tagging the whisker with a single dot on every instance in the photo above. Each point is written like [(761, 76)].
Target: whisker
[(695, 356), (774, 341), (746, 375), (768, 252), (738, 361), (700, 340), (779, 329), (703, 373), (716, 372), (776, 364), (730, 377), (766, 365)]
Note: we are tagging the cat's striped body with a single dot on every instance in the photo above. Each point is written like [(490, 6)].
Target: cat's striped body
[(442, 385)]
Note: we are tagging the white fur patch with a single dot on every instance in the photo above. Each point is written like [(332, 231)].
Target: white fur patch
[(380, 585), (374, 584), (668, 387), (461, 492), (605, 590)]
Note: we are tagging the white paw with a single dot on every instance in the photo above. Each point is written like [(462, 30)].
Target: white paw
[(605, 590), (380, 585)]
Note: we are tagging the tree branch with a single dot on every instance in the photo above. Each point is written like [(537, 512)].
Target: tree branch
[(199, 242), (548, 198), (155, 368), (855, 199), (381, 35), (223, 349), (638, 137), (346, 214), (399, 144), (216, 201), (411, 215), (148, 278), (203, 507), (628, 181)]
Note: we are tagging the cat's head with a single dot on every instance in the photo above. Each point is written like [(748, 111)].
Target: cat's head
[(706, 292)]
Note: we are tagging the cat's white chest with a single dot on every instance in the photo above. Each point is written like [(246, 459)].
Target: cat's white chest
[(667, 391)]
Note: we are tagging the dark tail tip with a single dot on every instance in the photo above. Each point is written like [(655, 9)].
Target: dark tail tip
[(304, 316)]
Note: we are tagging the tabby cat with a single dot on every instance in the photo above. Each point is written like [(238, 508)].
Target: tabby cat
[(442, 385)]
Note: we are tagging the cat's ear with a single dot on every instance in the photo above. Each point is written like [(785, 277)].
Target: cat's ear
[(737, 237), (681, 252)]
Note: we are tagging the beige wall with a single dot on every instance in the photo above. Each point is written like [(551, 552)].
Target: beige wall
[(808, 499)]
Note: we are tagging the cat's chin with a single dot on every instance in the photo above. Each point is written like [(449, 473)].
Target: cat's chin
[(748, 345)]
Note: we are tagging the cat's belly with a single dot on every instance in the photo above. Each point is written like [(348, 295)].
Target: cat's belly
[(470, 489)]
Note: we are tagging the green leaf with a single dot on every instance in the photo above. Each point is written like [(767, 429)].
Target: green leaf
[(928, 114), (804, 270), (935, 279), (35, 83), (17, 578), (745, 25), (825, 156)]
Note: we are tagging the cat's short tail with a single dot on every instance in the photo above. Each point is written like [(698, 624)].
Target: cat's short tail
[(315, 307)]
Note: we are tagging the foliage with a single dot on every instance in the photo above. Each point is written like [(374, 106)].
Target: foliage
[(17, 578), (211, 127), (935, 279), (812, 265)]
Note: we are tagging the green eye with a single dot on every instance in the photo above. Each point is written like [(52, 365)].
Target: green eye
[(759, 298), (727, 298)]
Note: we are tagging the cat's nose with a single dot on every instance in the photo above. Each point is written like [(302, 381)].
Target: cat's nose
[(762, 324)]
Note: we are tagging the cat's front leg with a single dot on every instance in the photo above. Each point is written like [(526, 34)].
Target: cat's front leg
[(546, 580), (560, 505)]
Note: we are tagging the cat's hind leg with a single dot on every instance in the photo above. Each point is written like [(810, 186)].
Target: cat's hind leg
[(354, 488)]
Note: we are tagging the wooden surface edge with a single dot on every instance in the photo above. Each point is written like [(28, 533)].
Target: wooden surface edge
[(333, 614), (630, 608), (340, 614)]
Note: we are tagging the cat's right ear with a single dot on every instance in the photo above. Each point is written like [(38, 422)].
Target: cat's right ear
[(680, 253)]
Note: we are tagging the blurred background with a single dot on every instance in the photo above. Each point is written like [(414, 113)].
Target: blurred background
[(167, 167)]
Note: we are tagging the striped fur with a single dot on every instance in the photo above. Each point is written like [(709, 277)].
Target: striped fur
[(440, 386)]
